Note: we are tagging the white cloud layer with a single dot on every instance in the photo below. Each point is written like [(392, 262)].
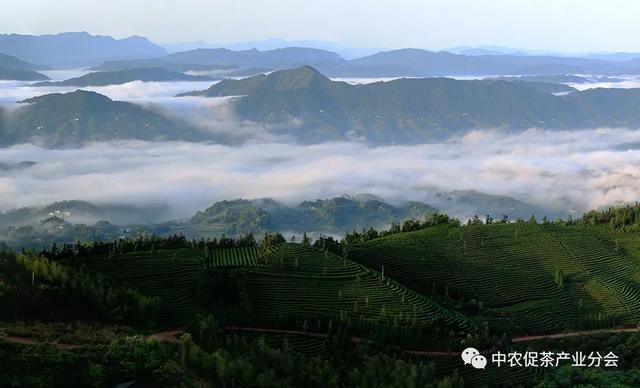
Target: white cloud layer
[(556, 170)]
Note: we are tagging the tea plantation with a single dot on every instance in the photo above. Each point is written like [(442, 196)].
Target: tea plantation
[(525, 278)]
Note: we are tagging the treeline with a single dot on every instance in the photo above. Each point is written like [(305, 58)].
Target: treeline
[(626, 218), (93, 292), (152, 243), (410, 225)]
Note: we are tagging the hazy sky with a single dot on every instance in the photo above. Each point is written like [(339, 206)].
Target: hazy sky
[(563, 25)]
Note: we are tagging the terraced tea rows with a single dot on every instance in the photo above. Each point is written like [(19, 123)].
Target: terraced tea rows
[(311, 283), (235, 257), (530, 278)]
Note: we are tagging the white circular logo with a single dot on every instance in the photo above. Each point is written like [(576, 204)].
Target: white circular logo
[(468, 354)]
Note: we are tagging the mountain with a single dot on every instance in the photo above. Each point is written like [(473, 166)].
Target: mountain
[(57, 120), (614, 57), (88, 222), (74, 49), (13, 63), (560, 79), (283, 58), (422, 63), (273, 59), (275, 43), (82, 212), (486, 50), (333, 216), (395, 63), (12, 68), (20, 75), (307, 105), (541, 86), (154, 74), (161, 63)]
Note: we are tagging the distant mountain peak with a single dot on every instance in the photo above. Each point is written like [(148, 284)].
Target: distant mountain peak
[(299, 78)]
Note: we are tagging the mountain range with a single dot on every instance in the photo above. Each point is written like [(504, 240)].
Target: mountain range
[(154, 74), (394, 63), (305, 105), (80, 49), (67, 221), (309, 106), (75, 49), (246, 59)]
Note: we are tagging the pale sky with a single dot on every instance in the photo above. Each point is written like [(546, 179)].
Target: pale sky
[(560, 25)]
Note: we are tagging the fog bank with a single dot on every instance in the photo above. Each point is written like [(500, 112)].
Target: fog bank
[(558, 170)]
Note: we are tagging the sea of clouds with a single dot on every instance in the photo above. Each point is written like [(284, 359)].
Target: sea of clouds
[(566, 172)]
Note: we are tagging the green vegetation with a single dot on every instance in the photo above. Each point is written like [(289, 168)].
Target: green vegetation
[(625, 218), (256, 364), (413, 110), (334, 215), (152, 363), (377, 308), (80, 116), (29, 283), (527, 277)]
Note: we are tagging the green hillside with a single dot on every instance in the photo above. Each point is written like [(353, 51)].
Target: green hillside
[(288, 286), (72, 118), (167, 274), (530, 278), (335, 215), (416, 297)]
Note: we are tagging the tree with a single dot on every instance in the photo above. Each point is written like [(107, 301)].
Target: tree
[(306, 240)]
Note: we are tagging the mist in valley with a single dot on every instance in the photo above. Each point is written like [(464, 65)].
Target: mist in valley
[(554, 173)]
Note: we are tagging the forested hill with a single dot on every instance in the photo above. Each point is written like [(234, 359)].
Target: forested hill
[(56, 120), (304, 103), (153, 74), (333, 216)]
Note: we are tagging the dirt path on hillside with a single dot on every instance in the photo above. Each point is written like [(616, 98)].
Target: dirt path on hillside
[(166, 336), (353, 339), (172, 337), (576, 334), (31, 341)]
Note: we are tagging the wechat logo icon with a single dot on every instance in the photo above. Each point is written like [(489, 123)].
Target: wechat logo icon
[(472, 356)]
